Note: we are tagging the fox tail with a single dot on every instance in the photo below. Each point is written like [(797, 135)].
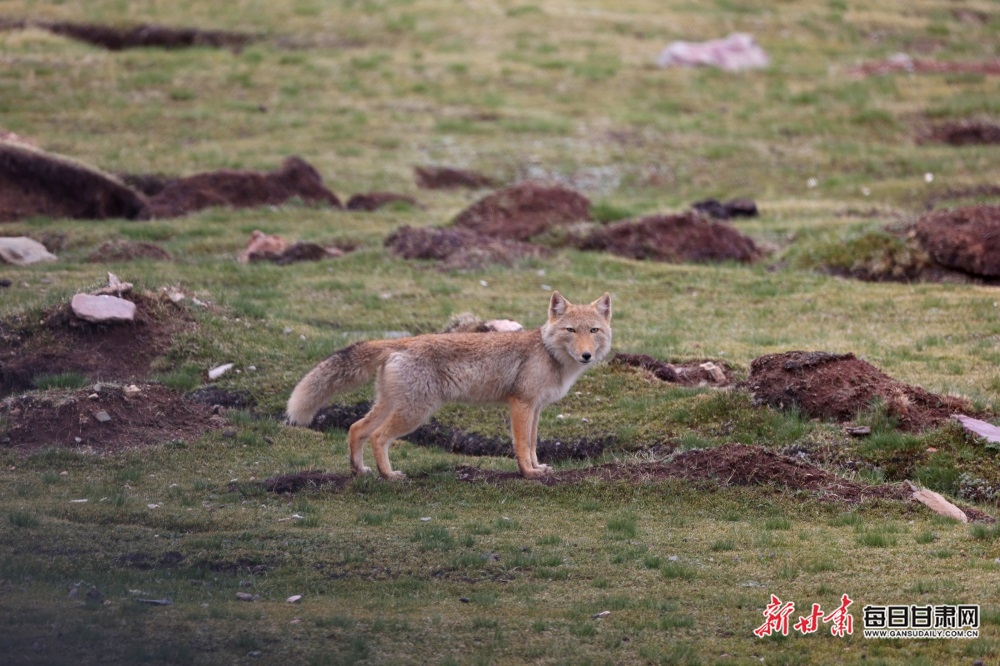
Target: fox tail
[(344, 370)]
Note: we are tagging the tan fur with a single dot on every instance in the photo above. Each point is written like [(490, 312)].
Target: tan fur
[(415, 376)]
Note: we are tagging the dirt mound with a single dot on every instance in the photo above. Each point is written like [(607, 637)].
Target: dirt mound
[(838, 386), (123, 250), (139, 36), (242, 189), (64, 344), (457, 249), (965, 133), (695, 373), (674, 238), (293, 483), (110, 422), (524, 210), (370, 201), (444, 178), (435, 433), (726, 210), (965, 239), (217, 397), (34, 183)]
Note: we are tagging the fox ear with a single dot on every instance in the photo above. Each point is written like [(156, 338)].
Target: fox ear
[(557, 306), (603, 306)]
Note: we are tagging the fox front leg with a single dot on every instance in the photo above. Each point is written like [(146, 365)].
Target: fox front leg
[(521, 414)]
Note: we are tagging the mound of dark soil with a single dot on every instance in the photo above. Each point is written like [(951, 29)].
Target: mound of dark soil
[(370, 201), (242, 189), (64, 344), (123, 250), (456, 248), (217, 397), (435, 433), (965, 239), (524, 210), (674, 238), (444, 178), (965, 133), (139, 36), (726, 210), (694, 373), (34, 183), (110, 422), (838, 386), (293, 483)]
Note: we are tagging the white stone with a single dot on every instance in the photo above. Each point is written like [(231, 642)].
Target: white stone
[(102, 309), (218, 371), (21, 251)]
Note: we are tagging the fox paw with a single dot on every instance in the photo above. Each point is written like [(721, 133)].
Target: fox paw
[(394, 476), (361, 471), (533, 473), (544, 468)]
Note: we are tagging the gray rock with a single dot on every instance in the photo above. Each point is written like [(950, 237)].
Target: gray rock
[(102, 309), (21, 251)]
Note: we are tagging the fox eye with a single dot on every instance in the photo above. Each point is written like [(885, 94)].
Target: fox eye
[(571, 329), (594, 330)]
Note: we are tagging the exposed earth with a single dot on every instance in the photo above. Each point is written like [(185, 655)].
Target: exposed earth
[(522, 211), (457, 248), (839, 386), (138, 36)]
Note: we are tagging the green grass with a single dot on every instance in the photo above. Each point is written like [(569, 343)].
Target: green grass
[(505, 572)]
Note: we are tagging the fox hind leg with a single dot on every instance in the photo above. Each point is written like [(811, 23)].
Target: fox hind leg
[(400, 422), (362, 430)]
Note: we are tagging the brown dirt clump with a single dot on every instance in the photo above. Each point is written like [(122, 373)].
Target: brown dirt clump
[(524, 210), (138, 36), (726, 210), (965, 239), (293, 483), (969, 132), (444, 178), (112, 421), (64, 344), (674, 238), (34, 183), (457, 249), (242, 189), (839, 386), (694, 373), (369, 201), (123, 250)]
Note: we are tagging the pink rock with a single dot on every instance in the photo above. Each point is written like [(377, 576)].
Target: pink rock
[(102, 309)]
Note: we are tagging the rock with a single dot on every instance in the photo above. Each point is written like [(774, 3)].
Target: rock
[(602, 614), (103, 417), (246, 596), (94, 595), (261, 243), (115, 287), (102, 309), (938, 504), (132, 391), (156, 602), (218, 371), (734, 53), (859, 431), (988, 431), (22, 251), (294, 599)]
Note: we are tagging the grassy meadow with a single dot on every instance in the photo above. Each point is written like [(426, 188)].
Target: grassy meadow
[(440, 571)]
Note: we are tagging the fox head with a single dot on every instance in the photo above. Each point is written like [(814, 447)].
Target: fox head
[(580, 332)]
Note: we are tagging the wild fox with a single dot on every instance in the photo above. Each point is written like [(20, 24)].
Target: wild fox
[(415, 376)]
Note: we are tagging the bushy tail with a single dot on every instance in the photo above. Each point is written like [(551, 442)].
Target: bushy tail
[(344, 370)]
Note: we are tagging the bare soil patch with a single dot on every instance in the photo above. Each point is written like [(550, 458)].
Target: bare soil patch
[(839, 386), (112, 421), (369, 201), (726, 210), (139, 36), (445, 178), (64, 344), (124, 250), (674, 238), (971, 132), (34, 183), (524, 210), (242, 189), (434, 433), (693, 373), (965, 239), (906, 64), (457, 248)]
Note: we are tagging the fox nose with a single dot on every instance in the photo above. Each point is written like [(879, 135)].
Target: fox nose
[(586, 356)]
